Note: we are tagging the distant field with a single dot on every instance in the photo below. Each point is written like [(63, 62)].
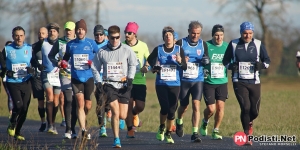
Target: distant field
[(278, 112)]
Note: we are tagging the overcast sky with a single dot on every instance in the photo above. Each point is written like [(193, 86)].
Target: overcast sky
[(153, 15)]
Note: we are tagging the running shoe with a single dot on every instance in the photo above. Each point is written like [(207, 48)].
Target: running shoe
[(50, 129), (195, 137), (63, 123), (102, 132), (19, 137), (85, 134), (173, 129), (11, 129), (249, 143), (43, 127), (130, 133), (67, 135), (117, 143), (74, 136), (122, 124), (215, 135), (179, 129), (54, 131), (250, 128), (203, 129), (160, 134), (168, 138)]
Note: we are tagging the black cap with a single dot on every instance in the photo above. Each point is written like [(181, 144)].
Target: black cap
[(99, 29), (217, 28)]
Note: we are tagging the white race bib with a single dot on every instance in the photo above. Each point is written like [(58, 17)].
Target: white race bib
[(53, 78), (81, 61), (20, 70), (192, 70), (114, 71), (217, 70), (168, 72), (246, 70)]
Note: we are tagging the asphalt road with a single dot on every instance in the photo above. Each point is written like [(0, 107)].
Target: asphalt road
[(144, 140)]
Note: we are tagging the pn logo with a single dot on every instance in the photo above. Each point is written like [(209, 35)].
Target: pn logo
[(240, 138)]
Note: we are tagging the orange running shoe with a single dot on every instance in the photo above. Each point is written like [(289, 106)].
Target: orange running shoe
[(108, 116), (250, 128), (173, 128), (130, 133)]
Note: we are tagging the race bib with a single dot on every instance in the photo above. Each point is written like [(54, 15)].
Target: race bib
[(192, 70), (217, 70), (20, 70), (168, 72), (53, 78), (81, 61), (114, 71), (246, 70)]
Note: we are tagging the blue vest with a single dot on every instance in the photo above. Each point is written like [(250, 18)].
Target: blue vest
[(81, 51), (99, 47), (49, 66), (17, 59), (195, 53), (163, 59)]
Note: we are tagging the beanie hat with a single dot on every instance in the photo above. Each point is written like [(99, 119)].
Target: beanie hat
[(70, 25), (132, 27), (53, 26), (98, 29), (217, 28), (246, 26), (81, 24)]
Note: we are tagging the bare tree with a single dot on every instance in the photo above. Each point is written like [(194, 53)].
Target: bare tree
[(269, 14)]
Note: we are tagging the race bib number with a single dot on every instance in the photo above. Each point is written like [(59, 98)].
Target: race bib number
[(192, 70), (217, 70), (138, 67), (114, 70), (246, 70), (20, 70), (168, 72), (81, 61), (53, 78)]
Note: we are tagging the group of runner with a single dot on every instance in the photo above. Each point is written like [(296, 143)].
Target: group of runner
[(69, 69)]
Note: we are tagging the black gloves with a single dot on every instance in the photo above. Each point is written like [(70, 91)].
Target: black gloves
[(41, 67), (156, 69), (258, 66), (30, 70), (10, 74), (234, 67), (3, 72), (129, 85), (205, 60)]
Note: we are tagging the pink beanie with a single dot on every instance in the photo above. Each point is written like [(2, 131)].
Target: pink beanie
[(132, 27)]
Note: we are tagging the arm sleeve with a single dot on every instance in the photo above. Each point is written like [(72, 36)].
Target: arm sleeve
[(53, 52), (153, 57), (132, 62), (96, 67), (205, 48), (264, 57), (179, 42), (67, 54), (183, 63), (95, 48), (33, 61), (3, 58), (228, 55)]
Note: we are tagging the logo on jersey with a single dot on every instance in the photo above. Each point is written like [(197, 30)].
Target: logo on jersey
[(198, 52), (13, 54), (251, 48), (26, 52), (217, 56), (86, 48), (174, 57)]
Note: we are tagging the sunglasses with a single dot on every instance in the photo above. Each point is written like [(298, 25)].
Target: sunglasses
[(98, 34), (129, 33), (114, 37)]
